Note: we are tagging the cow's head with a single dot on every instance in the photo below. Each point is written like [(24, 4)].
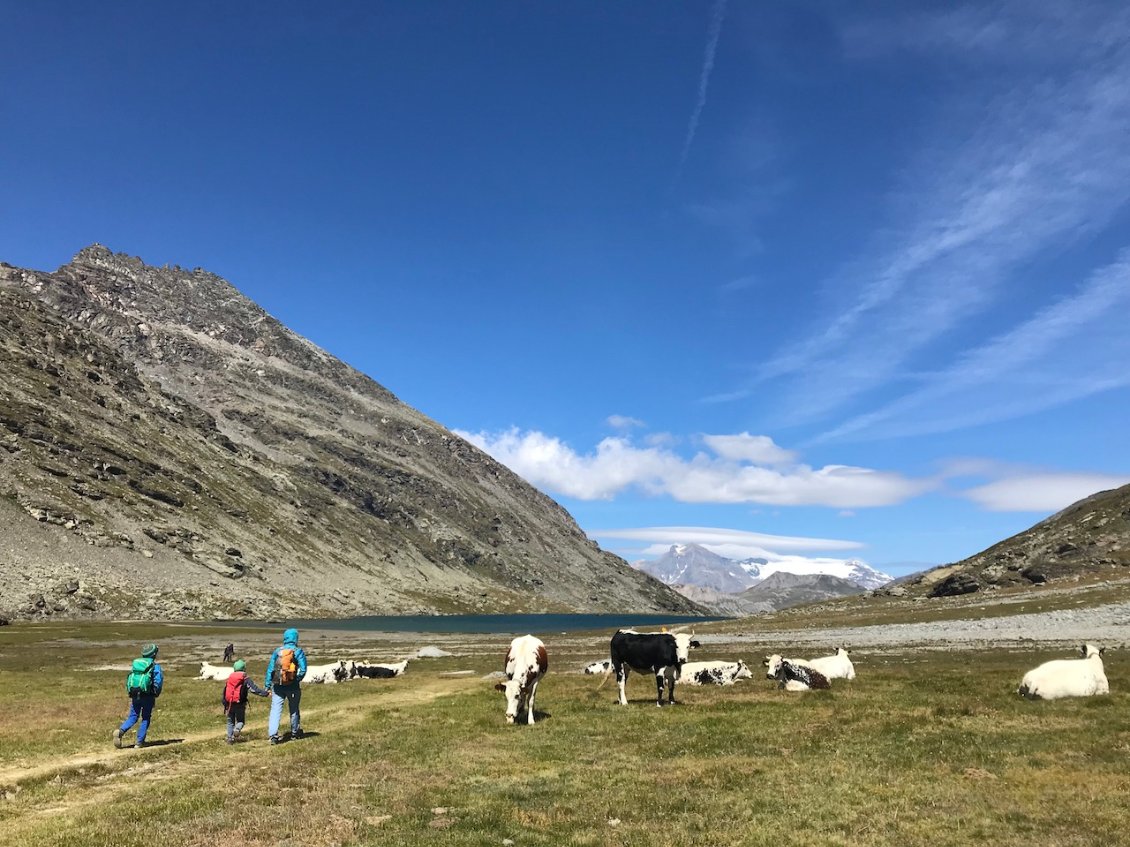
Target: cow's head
[(683, 645), (512, 688), (772, 665), (742, 671), (340, 672)]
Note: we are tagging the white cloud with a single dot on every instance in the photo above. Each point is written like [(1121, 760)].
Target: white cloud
[(623, 422), (617, 465), (1047, 492), (758, 449), (731, 543)]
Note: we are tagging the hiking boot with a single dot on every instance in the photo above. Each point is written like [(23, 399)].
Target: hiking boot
[(234, 737), (298, 733), (275, 740), (138, 745), (118, 738), (229, 740)]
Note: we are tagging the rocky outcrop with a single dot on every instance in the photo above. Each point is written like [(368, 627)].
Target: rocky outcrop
[(177, 452), (1088, 537)]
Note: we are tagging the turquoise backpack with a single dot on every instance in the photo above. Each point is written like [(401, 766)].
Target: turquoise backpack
[(140, 679)]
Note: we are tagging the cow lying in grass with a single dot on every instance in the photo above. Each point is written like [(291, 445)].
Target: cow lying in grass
[(836, 666), (369, 670), (799, 677), (714, 673), (327, 674), (1082, 677), (526, 663), (217, 672)]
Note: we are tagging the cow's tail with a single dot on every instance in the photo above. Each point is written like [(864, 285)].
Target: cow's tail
[(607, 675)]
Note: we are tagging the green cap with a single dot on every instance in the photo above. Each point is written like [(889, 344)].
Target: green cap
[(239, 665), (149, 651)]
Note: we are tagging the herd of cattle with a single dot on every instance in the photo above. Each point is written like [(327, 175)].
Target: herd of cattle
[(328, 674), (666, 656)]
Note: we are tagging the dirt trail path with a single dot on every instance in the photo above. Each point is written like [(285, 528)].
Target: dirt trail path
[(331, 717)]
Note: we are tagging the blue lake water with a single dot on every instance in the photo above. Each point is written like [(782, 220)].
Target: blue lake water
[(493, 624)]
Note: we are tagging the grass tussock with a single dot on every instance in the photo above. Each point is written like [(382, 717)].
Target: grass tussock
[(925, 753)]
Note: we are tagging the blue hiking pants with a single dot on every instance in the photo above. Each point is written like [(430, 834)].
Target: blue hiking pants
[(140, 707), (292, 694)]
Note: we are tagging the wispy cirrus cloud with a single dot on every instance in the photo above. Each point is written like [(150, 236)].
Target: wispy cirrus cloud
[(1045, 163), (725, 475), (1073, 348)]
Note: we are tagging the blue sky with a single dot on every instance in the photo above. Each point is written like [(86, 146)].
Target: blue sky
[(802, 279)]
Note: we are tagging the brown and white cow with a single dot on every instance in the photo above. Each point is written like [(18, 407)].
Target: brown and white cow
[(526, 664)]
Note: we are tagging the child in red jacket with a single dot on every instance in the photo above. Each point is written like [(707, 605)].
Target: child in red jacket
[(235, 698)]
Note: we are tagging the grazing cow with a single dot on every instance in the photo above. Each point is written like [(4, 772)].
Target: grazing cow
[(661, 653), (326, 674), (836, 666), (803, 676), (526, 664), (714, 673), (1082, 677), (599, 667), (368, 670), (210, 671)]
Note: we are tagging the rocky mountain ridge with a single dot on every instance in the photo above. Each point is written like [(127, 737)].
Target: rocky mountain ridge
[(1091, 536), (168, 449)]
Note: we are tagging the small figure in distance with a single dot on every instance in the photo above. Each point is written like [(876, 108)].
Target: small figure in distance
[(234, 698), (143, 685), (229, 653)]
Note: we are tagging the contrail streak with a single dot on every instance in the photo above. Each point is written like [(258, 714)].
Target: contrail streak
[(704, 78)]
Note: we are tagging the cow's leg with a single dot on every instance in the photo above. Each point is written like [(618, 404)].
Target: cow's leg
[(673, 674), (533, 691), (659, 686), (621, 681)]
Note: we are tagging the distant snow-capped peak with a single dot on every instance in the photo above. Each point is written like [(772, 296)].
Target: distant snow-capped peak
[(691, 564)]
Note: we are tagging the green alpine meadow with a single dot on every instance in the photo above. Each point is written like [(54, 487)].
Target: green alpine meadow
[(927, 746)]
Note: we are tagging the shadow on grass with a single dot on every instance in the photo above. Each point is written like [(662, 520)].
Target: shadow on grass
[(164, 742)]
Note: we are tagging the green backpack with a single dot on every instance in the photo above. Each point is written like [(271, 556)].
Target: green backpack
[(140, 679)]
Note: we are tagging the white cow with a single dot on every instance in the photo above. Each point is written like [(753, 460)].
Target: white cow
[(326, 674), (1080, 677), (526, 664), (713, 673), (599, 667), (836, 666), (210, 671)]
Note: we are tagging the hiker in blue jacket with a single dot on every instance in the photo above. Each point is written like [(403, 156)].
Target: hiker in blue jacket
[(143, 685), (284, 673)]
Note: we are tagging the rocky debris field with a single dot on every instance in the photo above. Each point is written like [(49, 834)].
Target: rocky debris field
[(1107, 626)]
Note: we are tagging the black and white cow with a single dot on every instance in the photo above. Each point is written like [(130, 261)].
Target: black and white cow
[(801, 676), (714, 673), (367, 670), (660, 653)]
